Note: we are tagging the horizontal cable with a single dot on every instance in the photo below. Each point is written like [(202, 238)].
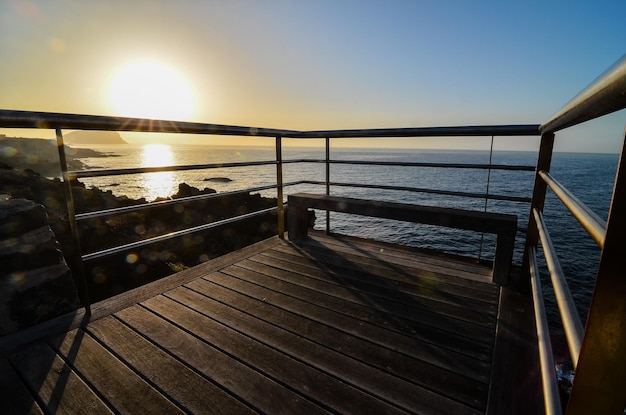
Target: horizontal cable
[(422, 190), (118, 172), (417, 164), (176, 234), (592, 223), (569, 315), (151, 205), (304, 161), (551, 396)]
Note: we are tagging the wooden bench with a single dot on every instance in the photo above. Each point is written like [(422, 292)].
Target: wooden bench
[(502, 225)]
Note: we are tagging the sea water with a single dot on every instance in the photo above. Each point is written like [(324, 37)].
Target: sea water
[(589, 176)]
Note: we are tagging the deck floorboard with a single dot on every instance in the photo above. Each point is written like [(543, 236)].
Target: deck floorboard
[(326, 325)]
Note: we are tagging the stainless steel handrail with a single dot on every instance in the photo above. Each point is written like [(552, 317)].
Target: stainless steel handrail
[(454, 131), (51, 120), (176, 234), (603, 96), (142, 206), (592, 223), (569, 314), (551, 398), (422, 190), (437, 165), (78, 174), (417, 164)]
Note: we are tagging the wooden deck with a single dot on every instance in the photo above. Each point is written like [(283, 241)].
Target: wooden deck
[(327, 325)]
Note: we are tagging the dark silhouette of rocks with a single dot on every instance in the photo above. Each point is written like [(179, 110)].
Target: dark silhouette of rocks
[(127, 270), (35, 281), (218, 179)]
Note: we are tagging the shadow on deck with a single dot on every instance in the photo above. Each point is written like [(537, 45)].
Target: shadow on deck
[(326, 325)]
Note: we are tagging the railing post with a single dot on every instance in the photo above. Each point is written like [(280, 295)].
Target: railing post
[(482, 235), (327, 182), (539, 196), (601, 372), (78, 270), (279, 188)]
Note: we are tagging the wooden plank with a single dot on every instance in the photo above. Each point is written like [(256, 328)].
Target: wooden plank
[(326, 390), (459, 379), (50, 328), (378, 310), (55, 383), (516, 375), (190, 390), (410, 285), (139, 294), (317, 250), (307, 272), (424, 346), (420, 270), (70, 321), (262, 393), (408, 396), (503, 225), (14, 397), (122, 388), (385, 296), (334, 265), (475, 341), (472, 220), (390, 252)]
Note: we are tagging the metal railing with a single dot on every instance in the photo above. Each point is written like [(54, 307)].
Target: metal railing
[(60, 122), (598, 350), (602, 345)]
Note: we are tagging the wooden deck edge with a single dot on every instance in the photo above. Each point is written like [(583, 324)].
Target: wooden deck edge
[(515, 385), (39, 331), (126, 299)]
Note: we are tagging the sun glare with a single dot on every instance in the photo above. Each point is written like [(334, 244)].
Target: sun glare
[(150, 90), (161, 184)]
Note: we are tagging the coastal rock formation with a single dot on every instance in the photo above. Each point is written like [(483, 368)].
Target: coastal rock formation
[(94, 137), (41, 155), (35, 281), (218, 179), (130, 269)]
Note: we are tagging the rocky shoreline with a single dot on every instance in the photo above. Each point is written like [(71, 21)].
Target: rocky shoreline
[(42, 155), (121, 272)]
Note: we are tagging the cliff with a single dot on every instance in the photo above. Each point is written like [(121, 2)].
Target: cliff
[(93, 137), (41, 155)]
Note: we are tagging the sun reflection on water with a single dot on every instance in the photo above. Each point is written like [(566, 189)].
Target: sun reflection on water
[(161, 184)]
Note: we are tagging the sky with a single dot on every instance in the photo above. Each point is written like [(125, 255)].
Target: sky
[(315, 65)]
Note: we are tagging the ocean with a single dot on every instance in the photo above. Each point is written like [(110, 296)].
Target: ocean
[(589, 176)]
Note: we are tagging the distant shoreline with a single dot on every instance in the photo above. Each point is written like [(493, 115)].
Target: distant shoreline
[(41, 155)]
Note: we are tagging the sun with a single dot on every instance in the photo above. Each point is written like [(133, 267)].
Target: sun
[(150, 90)]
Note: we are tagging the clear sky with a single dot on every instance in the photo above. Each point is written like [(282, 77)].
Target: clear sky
[(314, 64)]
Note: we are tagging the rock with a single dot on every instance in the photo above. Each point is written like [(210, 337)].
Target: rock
[(218, 179), (35, 282), (184, 190), (112, 275)]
